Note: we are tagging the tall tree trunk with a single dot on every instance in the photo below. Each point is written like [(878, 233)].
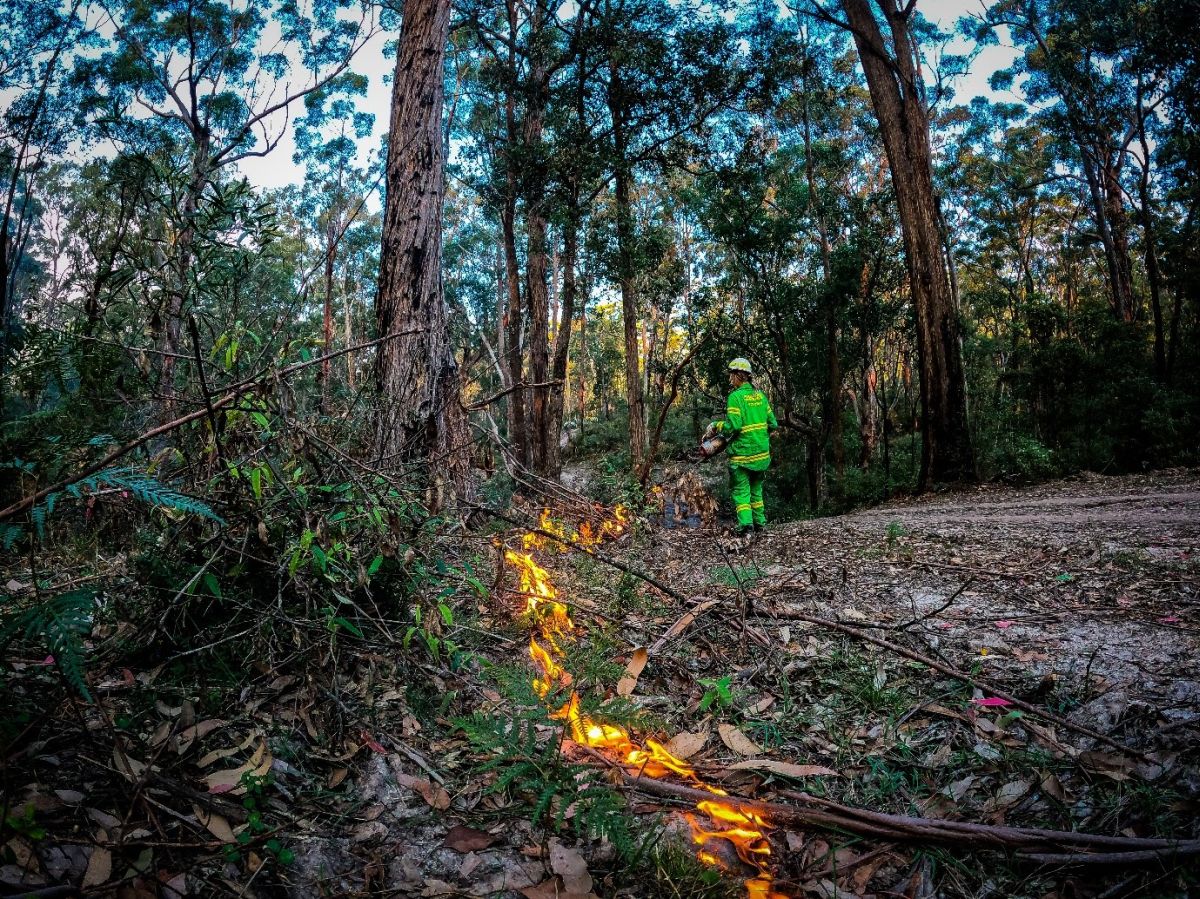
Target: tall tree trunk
[(626, 270), (868, 419), (562, 339), (6, 309), (327, 320), (347, 325), (868, 411), (1125, 303), (1149, 242), (512, 326), (831, 401), (898, 99), (539, 339), (814, 465), (421, 416), (536, 257), (171, 325), (517, 434)]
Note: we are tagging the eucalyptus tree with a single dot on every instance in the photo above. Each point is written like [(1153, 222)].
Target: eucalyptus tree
[(37, 43), (421, 417), (1086, 66), (893, 71), (530, 80), (665, 72), (206, 84), (792, 197)]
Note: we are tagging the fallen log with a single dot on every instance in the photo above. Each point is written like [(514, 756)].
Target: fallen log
[(1058, 847)]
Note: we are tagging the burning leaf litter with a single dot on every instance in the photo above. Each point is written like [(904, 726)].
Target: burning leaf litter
[(744, 831)]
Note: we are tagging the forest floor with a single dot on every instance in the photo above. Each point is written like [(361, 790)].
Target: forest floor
[(362, 773)]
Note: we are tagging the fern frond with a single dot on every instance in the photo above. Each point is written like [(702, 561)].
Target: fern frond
[(60, 624), (140, 486), (151, 492), (9, 534), (529, 763)]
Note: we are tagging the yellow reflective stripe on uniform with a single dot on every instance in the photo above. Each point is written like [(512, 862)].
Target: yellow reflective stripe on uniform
[(757, 505), (733, 410), (755, 458), (742, 507), (761, 426)]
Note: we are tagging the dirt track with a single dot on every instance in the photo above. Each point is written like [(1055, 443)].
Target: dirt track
[(1095, 582), (1166, 505)]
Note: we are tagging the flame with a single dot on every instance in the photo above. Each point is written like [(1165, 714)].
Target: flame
[(744, 830), (553, 675), (540, 596)]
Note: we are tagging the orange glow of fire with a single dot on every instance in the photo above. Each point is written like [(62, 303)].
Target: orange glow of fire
[(554, 533), (744, 830), (553, 675), (540, 595)]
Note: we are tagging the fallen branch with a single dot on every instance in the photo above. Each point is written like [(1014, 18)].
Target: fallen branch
[(943, 607), (484, 403), (1034, 844), (232, 394), (1081, 729), (586, 550)]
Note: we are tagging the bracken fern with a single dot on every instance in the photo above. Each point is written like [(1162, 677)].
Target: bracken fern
[(140, 486), (60, 623), (530, 764)]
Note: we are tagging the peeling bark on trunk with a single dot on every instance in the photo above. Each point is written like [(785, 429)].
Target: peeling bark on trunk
[(898, 99), (421, 417)]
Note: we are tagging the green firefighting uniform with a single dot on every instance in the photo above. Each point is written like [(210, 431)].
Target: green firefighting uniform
[(748, 417)]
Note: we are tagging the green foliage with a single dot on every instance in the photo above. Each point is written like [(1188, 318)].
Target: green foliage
[(59, 624), (24, 824), (527, 761), (736, 575), (433, 644), (716, 691), (257, 825)]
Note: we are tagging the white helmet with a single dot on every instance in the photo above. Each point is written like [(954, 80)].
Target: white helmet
[(742, 365)]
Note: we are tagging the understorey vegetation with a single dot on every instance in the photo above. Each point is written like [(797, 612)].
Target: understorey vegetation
[(301, 385)]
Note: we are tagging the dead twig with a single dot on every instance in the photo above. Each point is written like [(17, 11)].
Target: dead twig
[(586, 550), (232, 394), (964, 677), (943, 607), (484, 403)]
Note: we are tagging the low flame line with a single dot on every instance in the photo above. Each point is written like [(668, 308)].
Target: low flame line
[(746, 832)]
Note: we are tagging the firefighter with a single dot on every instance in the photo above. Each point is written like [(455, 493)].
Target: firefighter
[(747, 423)]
